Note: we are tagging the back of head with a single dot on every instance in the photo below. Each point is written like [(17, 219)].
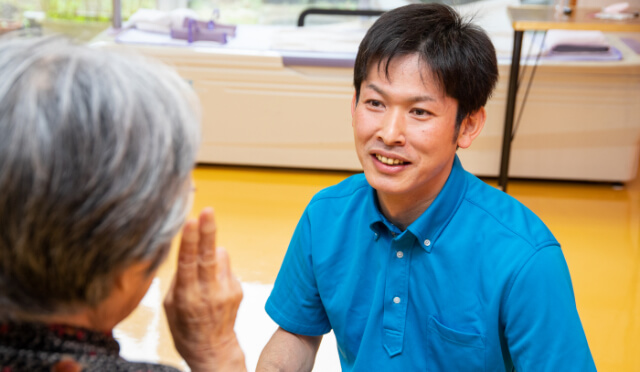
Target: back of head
[(459, 54), (96, 153)]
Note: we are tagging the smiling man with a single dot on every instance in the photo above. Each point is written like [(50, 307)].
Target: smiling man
[(417, 265)]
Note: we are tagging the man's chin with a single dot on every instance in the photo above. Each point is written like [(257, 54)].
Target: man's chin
[(388, 184)]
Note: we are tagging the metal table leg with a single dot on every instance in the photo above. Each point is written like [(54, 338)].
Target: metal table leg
[(116, 19), (511, 105)]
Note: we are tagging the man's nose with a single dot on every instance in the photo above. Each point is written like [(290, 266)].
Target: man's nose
[(392, 128)]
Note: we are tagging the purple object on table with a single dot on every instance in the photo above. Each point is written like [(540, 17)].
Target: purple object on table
[(613, 54), (317, 59), (194, 30), (634, 44), (210, 25)]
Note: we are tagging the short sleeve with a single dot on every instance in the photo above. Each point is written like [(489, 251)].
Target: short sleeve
[(541, 323), (294, 303)]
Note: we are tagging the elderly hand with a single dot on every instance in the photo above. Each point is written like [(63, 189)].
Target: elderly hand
[(203, 301)]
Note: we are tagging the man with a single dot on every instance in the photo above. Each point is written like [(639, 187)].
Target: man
[(418, 265)]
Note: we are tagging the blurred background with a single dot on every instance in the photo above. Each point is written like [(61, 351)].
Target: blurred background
[(84, 19), (582, 118)]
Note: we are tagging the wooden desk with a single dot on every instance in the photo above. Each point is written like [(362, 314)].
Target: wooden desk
[(543, 18)]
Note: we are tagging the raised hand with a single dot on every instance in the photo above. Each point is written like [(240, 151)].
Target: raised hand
[(203, 301)]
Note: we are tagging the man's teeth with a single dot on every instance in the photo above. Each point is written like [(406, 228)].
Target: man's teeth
[(389, 161)]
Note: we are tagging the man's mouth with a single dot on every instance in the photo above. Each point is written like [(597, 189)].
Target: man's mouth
[(389, 161)]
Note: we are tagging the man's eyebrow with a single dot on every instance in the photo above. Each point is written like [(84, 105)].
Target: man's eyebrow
[(411, 99), (378, 90)]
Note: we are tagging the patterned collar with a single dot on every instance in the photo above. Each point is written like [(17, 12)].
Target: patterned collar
[(58, 339)]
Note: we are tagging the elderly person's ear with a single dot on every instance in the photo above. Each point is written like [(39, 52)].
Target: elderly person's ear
[(129, 279), (129, 287)]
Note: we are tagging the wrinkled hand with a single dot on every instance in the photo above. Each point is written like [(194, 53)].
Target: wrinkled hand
[(203, 301)]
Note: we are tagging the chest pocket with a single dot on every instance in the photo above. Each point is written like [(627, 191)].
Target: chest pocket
[(451, 350)]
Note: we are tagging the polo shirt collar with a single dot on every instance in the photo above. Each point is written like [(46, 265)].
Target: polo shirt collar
[(377, 221), (428, 227)]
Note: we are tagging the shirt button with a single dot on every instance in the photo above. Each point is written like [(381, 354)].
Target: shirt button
[(396, 300), (427, 243), (399, 254)]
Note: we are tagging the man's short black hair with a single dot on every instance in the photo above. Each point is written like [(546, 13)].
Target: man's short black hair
[(460, 55)]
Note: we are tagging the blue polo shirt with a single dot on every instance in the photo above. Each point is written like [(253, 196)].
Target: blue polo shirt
[(476, 283)]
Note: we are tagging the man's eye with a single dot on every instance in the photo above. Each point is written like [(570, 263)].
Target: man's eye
[(420, 112), (374, 103)]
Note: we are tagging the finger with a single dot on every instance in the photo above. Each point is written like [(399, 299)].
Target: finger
[(206, 247), (222, 269), (186, 274), (236, 287), (170, 306), (169, 297)]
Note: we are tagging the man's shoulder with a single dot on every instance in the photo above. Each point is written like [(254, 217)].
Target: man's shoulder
[(497, 211), (353, 187)]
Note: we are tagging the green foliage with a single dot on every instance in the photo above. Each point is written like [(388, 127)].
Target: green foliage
[(80, 10), (283, 12)]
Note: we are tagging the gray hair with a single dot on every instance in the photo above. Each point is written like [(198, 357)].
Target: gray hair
[(96, 151)]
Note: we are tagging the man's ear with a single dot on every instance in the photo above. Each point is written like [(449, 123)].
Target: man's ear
[(471, 127)]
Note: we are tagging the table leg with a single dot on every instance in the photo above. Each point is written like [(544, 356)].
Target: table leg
[(116, 19), (511, 105)]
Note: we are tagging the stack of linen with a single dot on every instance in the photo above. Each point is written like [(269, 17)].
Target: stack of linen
[(579, 45)]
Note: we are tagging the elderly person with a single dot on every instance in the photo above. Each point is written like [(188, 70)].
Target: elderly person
[(96, 151)]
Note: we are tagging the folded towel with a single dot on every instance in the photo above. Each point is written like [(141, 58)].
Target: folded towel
[(153, 20), (569, 41)]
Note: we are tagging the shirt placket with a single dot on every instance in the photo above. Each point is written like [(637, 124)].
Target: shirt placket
[(396, 294)]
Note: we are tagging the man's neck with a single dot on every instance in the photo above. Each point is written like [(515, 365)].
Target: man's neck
[(402, 211)]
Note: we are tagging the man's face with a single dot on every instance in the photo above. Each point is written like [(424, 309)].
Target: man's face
[(404, 129)]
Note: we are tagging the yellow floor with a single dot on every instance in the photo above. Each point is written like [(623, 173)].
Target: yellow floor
[(257, 210)]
